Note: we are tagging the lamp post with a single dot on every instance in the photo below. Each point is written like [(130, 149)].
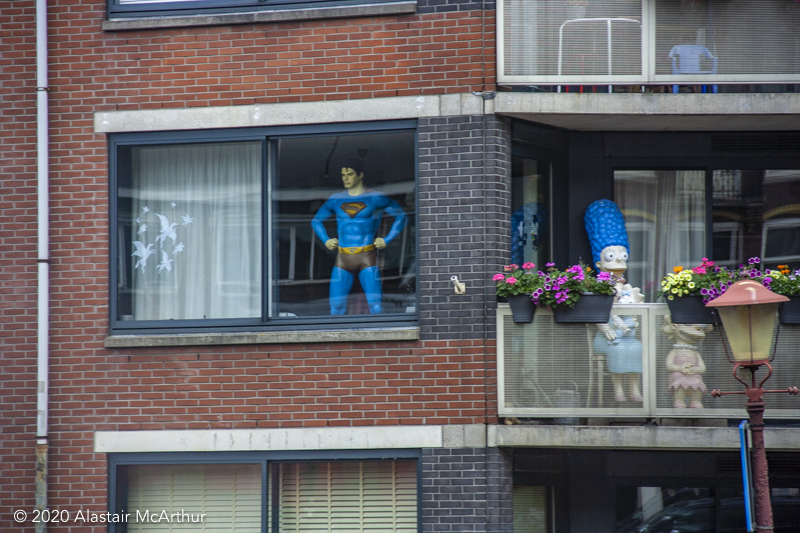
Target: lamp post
[(748, 312)]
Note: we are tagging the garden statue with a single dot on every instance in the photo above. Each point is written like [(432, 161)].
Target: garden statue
[(358, 212), (684, 363), (616, 339)]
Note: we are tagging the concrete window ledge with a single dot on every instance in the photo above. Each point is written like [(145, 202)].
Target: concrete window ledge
[(278, 15), (269, 337)]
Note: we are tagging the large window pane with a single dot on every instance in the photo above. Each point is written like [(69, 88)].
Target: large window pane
[(757, 214), (664, 510), (189, 223), (344, 244), (665, 216), (530, 213)]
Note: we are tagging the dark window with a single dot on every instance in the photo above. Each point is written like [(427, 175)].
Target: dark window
[(215, 232)]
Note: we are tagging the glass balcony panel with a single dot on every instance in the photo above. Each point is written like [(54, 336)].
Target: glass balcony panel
[(551, 370)]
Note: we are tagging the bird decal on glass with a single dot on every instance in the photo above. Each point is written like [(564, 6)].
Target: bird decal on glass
[(187, 220), (166, 262), (167, 230), (142, 252)]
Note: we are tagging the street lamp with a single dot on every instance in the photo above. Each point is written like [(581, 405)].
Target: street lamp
[(748, 311)]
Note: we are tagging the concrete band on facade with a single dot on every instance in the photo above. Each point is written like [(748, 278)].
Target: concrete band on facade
[(635, 437), (291, 439), (288, 114), (615, 112), (450, 436)]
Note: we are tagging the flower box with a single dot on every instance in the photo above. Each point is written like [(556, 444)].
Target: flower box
[(522, 308), (690, 310), (594, 308), (790, 311)]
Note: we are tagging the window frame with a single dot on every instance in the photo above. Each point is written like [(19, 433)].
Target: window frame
[(155, 8), (115, 460), (268, 137)]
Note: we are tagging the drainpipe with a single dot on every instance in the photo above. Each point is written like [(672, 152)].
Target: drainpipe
[(43, 260)]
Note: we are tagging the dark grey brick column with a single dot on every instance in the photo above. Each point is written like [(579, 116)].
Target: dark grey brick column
[(464, 212), (466, 490)]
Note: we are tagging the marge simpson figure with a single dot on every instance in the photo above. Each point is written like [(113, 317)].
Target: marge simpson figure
[(617, 339), (358, 213)]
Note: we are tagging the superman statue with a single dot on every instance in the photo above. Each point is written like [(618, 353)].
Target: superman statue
[(358, 212)]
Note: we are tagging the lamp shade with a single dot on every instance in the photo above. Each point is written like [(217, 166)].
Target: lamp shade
[(748, 311)]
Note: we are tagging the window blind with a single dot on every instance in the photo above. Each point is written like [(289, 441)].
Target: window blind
[(228, 494), (356, 496)]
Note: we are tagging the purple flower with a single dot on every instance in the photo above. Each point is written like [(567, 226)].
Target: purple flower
[(548, 265)]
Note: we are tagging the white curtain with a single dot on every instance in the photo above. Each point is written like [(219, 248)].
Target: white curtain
[(197, 222), (665, 215)]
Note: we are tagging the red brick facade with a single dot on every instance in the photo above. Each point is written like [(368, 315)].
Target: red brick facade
[(92, 388)]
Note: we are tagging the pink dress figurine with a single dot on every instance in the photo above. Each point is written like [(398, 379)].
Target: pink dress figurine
[(685, 364)]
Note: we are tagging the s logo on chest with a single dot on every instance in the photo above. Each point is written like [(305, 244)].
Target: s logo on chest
[(353, 208)]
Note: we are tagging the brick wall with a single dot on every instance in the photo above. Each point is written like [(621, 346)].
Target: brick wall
[(447, 47), (464, 203), (430, 53), (466, 490), (18, 258)]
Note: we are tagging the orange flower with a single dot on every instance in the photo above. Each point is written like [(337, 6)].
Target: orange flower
[(677, 269), (782, 267)]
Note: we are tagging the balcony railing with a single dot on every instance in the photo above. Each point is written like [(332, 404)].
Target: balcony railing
[(597, 42), (550, 370)]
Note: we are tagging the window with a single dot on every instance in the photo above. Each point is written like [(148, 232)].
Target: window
[(530, 208), (665, 217), (764, 206), (665, 509), (150, 8), (374, 496), (532, 508), (242, 229), (753, 213)]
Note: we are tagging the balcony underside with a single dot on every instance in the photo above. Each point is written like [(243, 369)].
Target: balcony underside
[(654, 111)]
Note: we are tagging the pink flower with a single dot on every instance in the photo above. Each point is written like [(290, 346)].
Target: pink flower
[(509, 268), (699, 270), (511, 279), (498, 277), (528, 266)]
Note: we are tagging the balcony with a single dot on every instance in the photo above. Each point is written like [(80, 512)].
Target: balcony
[(550, 370), (645, 42)]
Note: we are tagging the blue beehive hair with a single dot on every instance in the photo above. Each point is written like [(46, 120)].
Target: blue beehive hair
[(605, 226)]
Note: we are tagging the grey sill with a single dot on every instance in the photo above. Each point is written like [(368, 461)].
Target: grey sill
[(278, 15), (270, 337)]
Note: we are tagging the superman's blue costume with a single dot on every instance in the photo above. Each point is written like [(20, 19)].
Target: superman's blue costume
[(357, 221)]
